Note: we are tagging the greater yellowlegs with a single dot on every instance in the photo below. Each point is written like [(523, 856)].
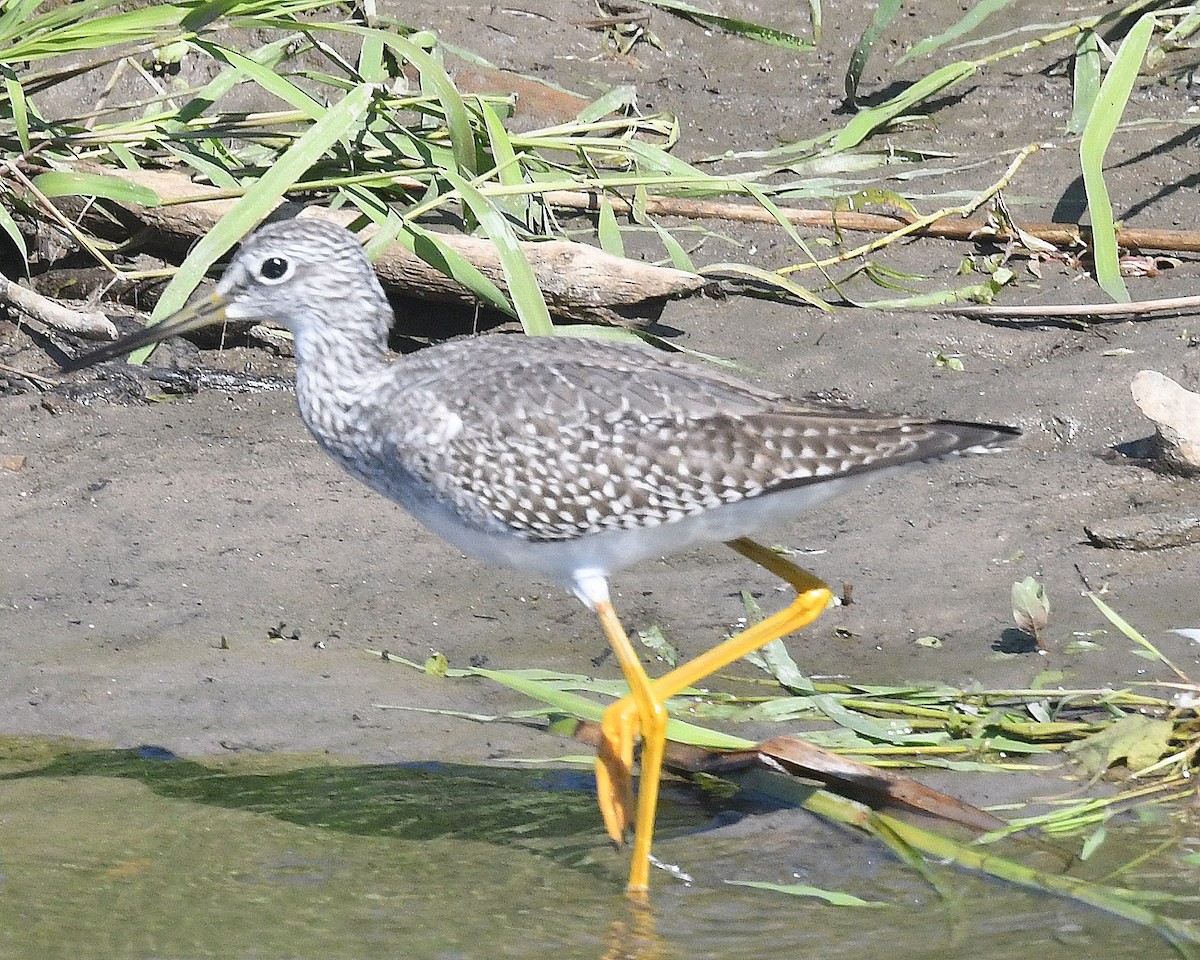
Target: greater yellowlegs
[(566, 458)]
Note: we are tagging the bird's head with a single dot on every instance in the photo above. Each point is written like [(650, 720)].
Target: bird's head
[(308, 275)]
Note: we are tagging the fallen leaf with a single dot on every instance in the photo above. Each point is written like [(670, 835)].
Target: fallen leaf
[(1136, 739)]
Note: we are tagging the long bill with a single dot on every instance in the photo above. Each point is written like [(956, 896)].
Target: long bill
[(208, 311)]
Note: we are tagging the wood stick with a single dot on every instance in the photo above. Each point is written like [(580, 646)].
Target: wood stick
[(94, 326), (1063, 235), (28, 375), (580, 282), (1066, 311)]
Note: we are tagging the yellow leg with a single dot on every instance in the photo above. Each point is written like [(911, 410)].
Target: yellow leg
[(644, 706), (812, 597), (614, 762)]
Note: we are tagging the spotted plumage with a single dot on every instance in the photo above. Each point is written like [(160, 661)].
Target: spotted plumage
[(557, 439)]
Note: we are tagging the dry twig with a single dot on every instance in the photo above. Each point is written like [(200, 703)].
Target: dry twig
[(1075, 310), (94, 326), (1061, 235)]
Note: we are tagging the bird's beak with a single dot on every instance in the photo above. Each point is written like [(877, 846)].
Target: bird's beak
[(207, 311)]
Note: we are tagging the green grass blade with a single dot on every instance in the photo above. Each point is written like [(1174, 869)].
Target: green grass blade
[(24, 22), (1097, 135), (977, 292), (65, 184), (1178, 35), (522, 284), (15, 16), (769, 277), (679, 257), (441, 256), (654, 161), (596, 331), (585, 709), (269, 56), (73, 34), (19, 107), (9, 226), (885, 12), (435, 79), (1085, 87), (265, 77), (507, 163), (608, 230), (790, 228), (868, 121), (217, 174), (371, 68), (616, 100), (1126, 628), (832, 897), (978, 13)]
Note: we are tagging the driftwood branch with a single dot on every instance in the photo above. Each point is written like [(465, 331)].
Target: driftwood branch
[(579, 282), (94, 326), (584, 284)]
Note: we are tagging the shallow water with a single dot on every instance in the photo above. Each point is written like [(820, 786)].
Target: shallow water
[(138, 854)]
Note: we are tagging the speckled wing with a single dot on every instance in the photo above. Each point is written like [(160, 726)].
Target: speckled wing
[(555, 439)]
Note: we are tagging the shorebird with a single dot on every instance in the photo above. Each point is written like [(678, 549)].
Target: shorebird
[(568, 459)]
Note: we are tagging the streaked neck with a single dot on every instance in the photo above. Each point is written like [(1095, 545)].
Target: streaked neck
[(336, 370)]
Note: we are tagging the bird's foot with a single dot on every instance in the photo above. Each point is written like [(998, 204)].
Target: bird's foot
[(614, 768)]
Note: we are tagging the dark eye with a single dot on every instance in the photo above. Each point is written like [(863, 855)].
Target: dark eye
[(274, 269)]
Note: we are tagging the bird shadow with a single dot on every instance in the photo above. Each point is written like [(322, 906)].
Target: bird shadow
[(550, 813)]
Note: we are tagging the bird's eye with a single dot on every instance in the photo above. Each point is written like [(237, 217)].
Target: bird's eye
[(275, 270)]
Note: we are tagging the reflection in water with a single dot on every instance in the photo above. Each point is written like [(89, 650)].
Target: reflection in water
[(142, 854), (634, 937)]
